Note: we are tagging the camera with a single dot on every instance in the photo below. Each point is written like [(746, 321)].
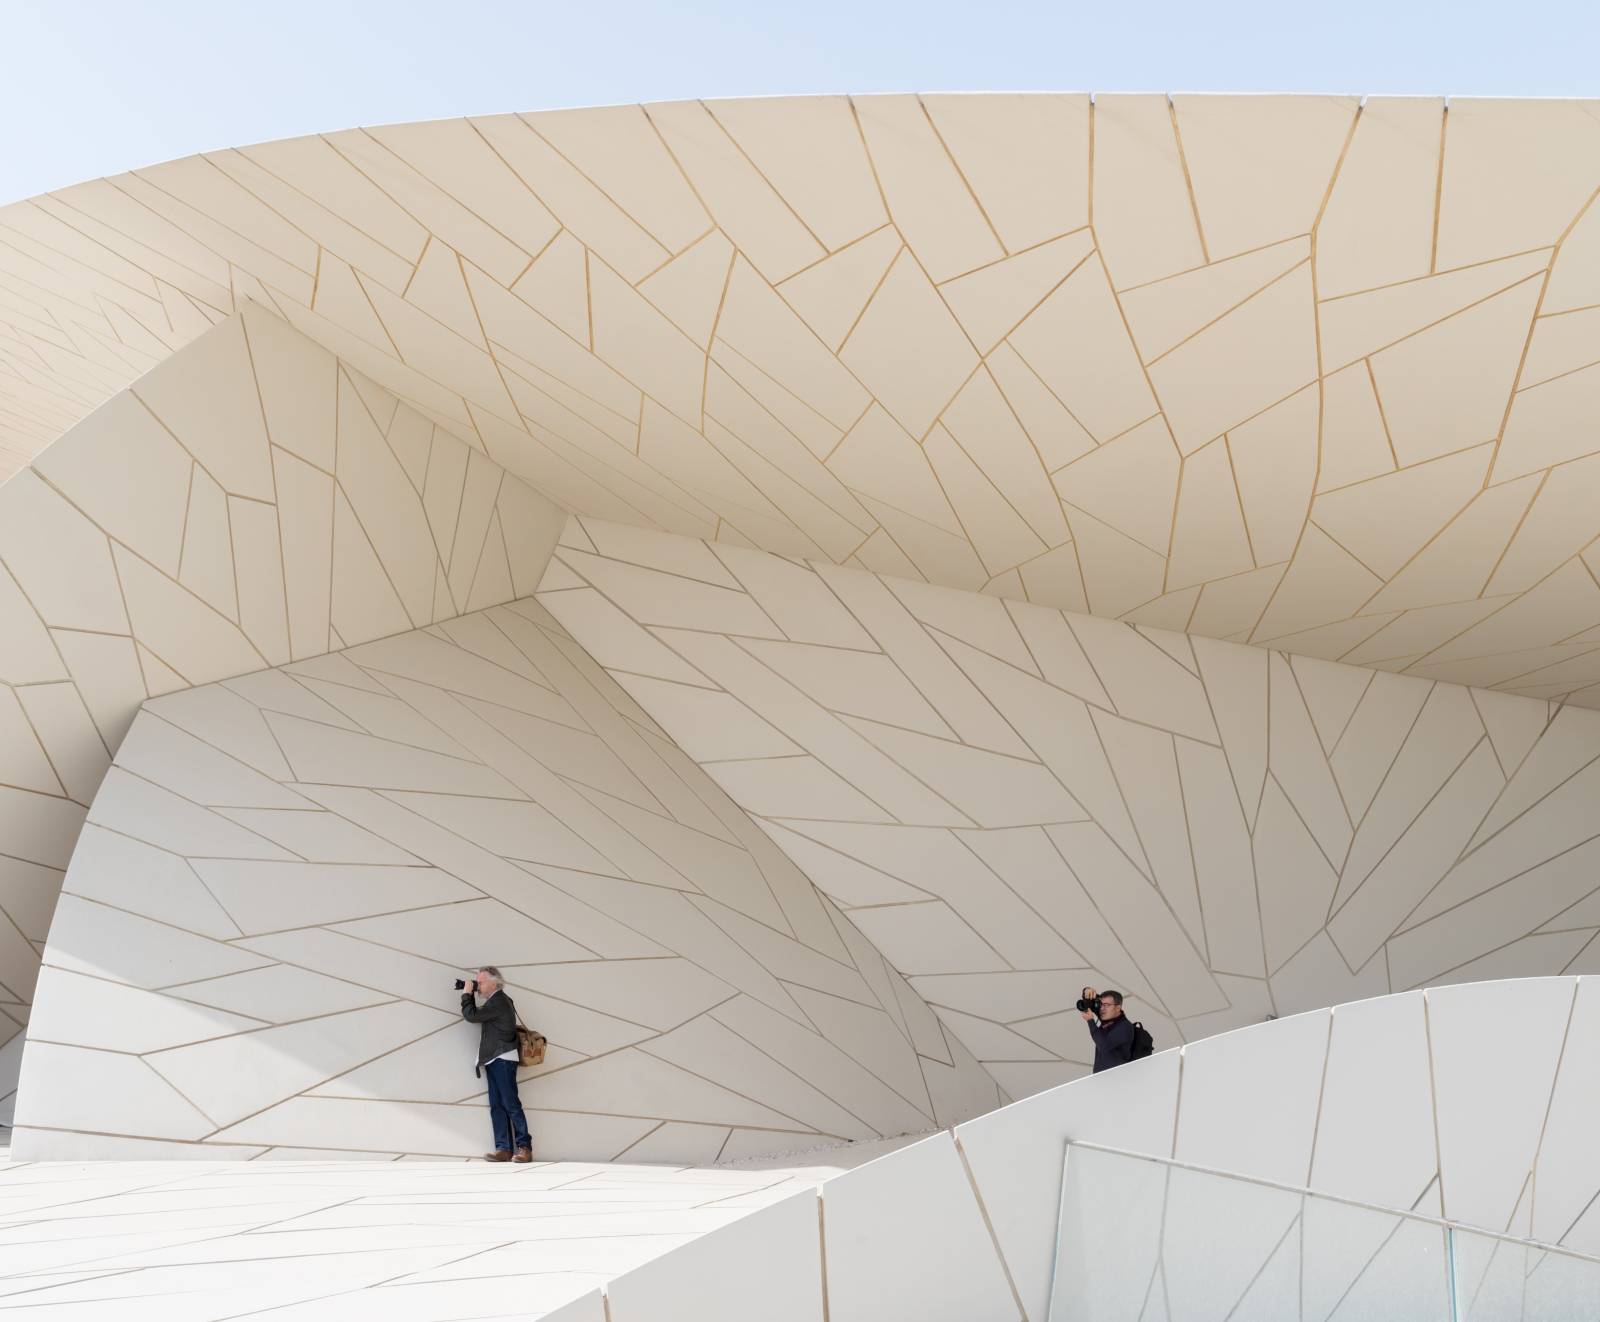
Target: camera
[(1089, 1002), (462, 986)]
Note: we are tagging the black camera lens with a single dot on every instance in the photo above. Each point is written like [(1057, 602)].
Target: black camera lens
[(460, 986), (1087, 1005)]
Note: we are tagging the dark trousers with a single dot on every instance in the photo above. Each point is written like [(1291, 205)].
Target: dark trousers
[(505, 1107)]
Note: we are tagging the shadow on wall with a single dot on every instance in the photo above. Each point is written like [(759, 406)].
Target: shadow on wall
[(283, 873)]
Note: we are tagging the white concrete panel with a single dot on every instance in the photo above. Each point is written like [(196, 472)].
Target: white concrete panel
[(1377, 1082), (1014, 1155), (1220, 1073), (1484, 1185), (232, 1077), (1566, 1171), (105, 862), (906, 1234), (774, 1254), (278, 993), (42, 536), (113, 1017), (148, 1101), (123, 469), (124, 947)]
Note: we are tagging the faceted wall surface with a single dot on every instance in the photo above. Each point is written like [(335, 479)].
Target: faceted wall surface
[(1012, 801), (1309, 371), (931, 454), (283, 873), (252, 500)]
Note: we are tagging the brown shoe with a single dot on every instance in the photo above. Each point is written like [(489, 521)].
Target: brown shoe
[(499, 1154), (523, 1154)]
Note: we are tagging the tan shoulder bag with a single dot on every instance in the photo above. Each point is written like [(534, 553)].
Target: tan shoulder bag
[(530, 1045)]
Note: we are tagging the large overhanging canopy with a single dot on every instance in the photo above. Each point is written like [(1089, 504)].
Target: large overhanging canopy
[(1304, 371)]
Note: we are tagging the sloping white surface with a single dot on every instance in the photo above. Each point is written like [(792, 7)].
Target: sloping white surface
[(408, 1241), (1458, 1132)]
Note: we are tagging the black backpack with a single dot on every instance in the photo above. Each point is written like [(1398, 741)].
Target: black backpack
[(1143, 1043)]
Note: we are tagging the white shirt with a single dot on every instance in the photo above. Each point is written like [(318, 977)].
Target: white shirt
[(509, 1055)]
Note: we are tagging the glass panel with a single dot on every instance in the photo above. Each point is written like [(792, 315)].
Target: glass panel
[(1560, 1287), (1362, 1265), (1228, 1244), (1108, 1237), (1488, 1277), (1503, 1279), (1145, 1240)]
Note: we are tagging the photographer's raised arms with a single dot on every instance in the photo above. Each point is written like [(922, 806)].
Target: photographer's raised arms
[(499, 1052), (1117, 1039)]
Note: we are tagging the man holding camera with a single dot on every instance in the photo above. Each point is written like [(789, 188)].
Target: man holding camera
[(498, 1057), (1113, 1035)]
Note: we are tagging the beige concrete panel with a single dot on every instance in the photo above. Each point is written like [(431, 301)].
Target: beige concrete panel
[(741, 199), (1541, 153), (1377, 227), (1142, 203), (833, 191), (1026, 158), (370, 900), (1260, 166)]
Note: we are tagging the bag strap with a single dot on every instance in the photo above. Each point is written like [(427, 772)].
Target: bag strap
[(522, 1023)]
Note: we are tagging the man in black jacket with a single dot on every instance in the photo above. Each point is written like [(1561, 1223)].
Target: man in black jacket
[(498, 1056), (1112, 1034)]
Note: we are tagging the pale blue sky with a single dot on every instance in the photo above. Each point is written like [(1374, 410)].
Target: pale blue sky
[(91, 87)]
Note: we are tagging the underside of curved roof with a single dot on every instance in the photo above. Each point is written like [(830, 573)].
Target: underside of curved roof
[(1307, 371)]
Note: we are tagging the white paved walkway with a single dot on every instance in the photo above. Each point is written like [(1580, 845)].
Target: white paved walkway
[(407, 1241)]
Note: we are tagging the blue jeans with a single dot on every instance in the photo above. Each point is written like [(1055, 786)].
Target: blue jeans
[(505, 1107)]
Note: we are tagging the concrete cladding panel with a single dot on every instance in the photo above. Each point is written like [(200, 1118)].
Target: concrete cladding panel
[(251, 501), (1315, 379), (283, 872), (1012, 801), (1319, 375)]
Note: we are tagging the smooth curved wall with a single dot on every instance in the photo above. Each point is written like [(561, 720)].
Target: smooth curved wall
[(1471, 1102), (1012, 801), (282, 874), (1474, 1103), (252, 500)]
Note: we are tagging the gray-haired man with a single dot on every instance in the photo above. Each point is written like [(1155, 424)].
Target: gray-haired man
[(497, 1061)]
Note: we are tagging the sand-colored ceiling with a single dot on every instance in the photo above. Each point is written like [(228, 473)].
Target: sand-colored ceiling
[(1303, 371)]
